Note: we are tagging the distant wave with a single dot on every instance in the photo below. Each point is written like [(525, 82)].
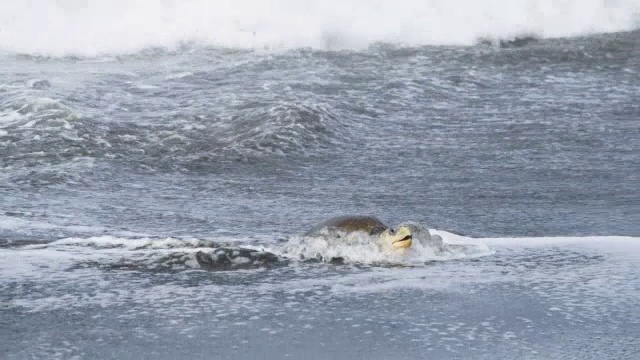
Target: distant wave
[(59, 141), (92, 27)]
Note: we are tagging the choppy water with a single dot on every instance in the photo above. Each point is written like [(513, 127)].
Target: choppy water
[(133, 135)]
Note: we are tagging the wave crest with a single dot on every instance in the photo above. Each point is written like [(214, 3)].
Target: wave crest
[(47, 136), (86, 27), (282, 129)]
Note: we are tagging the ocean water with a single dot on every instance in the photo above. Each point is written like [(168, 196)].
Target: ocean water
[(135, 134)]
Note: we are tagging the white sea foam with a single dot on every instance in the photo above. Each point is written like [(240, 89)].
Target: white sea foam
[(91, 27), (551, 268), (142, 252), (24, 226), (362, 249)]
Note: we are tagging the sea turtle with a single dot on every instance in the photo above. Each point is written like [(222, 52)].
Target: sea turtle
[(389, 239)]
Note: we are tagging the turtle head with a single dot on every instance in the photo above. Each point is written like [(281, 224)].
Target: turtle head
[(396, 239)]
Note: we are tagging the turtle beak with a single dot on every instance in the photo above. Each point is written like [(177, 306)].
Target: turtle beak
[(402, 239)]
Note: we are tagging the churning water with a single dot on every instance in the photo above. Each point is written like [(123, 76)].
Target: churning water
[(134, 134)]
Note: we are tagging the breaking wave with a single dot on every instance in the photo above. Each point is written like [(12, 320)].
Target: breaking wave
[(88, 27)]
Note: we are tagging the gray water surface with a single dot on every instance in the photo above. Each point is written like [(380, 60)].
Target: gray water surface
[(127, 159)]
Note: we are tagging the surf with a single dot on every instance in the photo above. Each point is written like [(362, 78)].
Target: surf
[(91, 28)]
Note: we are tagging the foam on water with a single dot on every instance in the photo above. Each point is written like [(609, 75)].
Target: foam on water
[(171, 254), (88, 27), (575, 286), (362, 249), (554, 268), (147, 253), (27, 113)]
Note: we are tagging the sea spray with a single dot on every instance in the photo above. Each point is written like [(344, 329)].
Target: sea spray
[(89, 27)]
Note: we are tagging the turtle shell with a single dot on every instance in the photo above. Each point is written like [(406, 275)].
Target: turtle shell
[(368, 224)]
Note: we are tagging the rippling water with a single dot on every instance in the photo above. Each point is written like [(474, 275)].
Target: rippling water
[(123, 156)]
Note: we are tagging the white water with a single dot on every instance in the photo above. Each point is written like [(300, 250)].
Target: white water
[(563, 261), (110, 250), (149, 253), (582, 291), (94, 27)]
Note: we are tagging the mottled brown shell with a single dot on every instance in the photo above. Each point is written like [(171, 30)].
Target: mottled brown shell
[(368, 224)]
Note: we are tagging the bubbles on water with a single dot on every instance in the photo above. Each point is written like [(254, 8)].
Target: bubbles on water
[(577, 287), (327, 247)]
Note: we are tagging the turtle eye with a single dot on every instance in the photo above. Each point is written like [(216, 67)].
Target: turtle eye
[(391, 231)]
